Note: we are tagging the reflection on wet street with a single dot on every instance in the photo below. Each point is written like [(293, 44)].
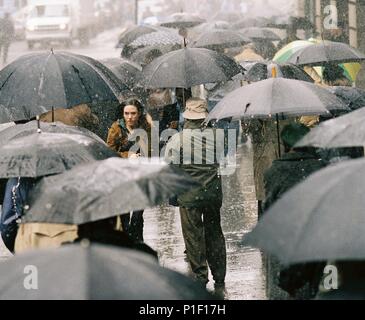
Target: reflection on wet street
[(245, 278)]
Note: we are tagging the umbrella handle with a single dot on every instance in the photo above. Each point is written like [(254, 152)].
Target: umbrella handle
[(38, 125), (278, 134), (52, 114)]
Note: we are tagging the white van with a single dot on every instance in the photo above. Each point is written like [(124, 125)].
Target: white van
[(60, 20)]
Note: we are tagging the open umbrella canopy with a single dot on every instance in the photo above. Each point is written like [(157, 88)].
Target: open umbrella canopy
[(284, 21), (220, 39), (127, 71), (276, 96), (353, 97), (160, 38), (257, 22), (131, 34), (189, 67), (145, 55), (319, 220), (255, 33), (95, 272), (35, 83), (351, 70), (105, 189), (321, 53), (182, 21), (42, 154), (261, 70), (342, 132), (23, 130), (208, 26)]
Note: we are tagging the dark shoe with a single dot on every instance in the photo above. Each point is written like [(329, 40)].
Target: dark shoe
[(220, 291)]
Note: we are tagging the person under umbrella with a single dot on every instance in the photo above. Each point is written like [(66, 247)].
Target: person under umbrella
[(120, 139), (30, 158), (200, 208), (59, 80), (333, 75), (292, 168)]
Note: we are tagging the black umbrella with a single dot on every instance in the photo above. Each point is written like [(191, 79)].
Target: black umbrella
[(353, 97), (220, 39), (343, 132), (160, 38), (43, 154), (319, 220), (144, 55), (255, 33), (127, 71), (189, 67), (182, 21), (95, 272), (104, 189), (23, 130), (35, 83), (133, 33), (322, 53), (261, 70), (276, 96)]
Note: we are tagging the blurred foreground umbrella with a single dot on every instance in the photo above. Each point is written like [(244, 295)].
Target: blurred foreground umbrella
[(342, 132), (95, 272), (276, 96), (125, 70), (319, 220), (189, 67), (321, 53), (43, 154), (35, 83), (259, 34), (23, 130), (182, 21), (160, 38), (105, 189), (353, 97), (261, 70), (220, 39)]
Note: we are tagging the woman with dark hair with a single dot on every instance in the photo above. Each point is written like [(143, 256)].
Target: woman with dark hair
[(124, 139), (121, 132)]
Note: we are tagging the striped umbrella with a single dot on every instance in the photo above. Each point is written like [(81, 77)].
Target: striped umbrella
[(351, 70)]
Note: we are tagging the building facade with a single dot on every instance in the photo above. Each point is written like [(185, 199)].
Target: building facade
[(350, 18)]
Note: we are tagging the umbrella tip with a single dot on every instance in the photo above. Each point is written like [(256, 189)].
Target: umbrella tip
[(85, 243)]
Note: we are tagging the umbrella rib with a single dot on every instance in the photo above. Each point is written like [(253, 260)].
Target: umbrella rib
[(100, 74), (6, 80)]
